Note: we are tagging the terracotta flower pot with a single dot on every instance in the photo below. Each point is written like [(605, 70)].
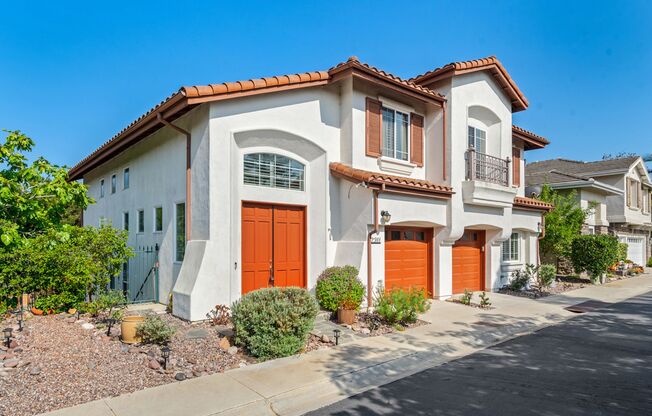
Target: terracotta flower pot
[(128, 329), (36, 311), (345, 316)]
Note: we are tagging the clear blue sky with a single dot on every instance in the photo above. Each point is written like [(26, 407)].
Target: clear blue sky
[(72, 74)]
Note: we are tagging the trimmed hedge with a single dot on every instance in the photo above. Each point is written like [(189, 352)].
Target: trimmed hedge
[(339, 287), (274, 322)]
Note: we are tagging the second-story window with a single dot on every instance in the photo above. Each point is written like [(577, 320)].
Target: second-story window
[(102, 188), (125, 179), (395, 128), (478, 139), (140, 225), (114, 183), (158, 219)]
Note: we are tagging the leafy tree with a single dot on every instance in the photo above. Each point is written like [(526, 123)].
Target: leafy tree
[(563, 224), (594, 254), (36, 196)]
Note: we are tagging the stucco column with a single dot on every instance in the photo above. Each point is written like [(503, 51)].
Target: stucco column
[(443, 268)]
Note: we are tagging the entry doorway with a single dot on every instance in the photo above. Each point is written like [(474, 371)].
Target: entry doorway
[(273, 246), (469, 262)]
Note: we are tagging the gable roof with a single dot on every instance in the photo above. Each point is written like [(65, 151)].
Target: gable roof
[(596, 168), (390, 182), (531, 140), (491, 64), (188, 97)]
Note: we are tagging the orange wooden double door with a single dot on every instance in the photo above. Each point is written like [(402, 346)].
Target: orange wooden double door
[(273, 246)]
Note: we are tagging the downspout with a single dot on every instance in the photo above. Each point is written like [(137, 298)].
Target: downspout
[(188, 177), (541, 236), (443, 135), (374, 231)]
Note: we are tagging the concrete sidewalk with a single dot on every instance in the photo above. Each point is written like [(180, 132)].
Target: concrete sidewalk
[(295, 385)]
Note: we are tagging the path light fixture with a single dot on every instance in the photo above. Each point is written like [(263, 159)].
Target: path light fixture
[(386, 216), (20, 319), (7, 333), (165, 353), (337, 336)]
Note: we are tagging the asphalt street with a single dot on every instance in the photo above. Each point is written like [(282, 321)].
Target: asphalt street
[(597, 363)]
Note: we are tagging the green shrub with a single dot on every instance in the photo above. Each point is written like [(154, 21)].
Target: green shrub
[(465, 299), (339, 287), (105, 302), (154, 330), (594, 254), (649, 262), (400, 306), (546, 274), (274, 322), (622, 252), (58, 302), (519, 280), (484, 300)]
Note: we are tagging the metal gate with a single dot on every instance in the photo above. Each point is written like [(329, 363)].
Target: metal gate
[(139, 277)]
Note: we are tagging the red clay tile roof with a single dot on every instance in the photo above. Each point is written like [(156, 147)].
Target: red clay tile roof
[(532, 140), (353, 62), (188, 97), (492, 64), (376, 178), (531, 203)]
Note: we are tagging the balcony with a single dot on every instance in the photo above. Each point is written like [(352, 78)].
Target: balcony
[(487, 181), (486, 168)]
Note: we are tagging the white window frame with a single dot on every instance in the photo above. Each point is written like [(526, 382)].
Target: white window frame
[(272, 178), (140, 223), (395, 109), (104, 221), (102, 188), (185, 215), (114, 183), (126, 178), (125, 221), (154, 230), (475, 138), (507, 244)]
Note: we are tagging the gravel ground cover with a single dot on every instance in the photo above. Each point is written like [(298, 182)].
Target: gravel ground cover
[(370, 324), (58, 361), (563, 285)]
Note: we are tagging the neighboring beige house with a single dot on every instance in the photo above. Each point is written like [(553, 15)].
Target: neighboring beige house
[(266, 182), (620, 189)]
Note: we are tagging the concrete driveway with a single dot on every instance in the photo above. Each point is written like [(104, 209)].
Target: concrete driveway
[(599, 363)]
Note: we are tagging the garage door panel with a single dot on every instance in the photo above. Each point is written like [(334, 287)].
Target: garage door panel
[(407, 260)]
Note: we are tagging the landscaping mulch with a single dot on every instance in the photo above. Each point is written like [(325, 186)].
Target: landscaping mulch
[(564, 284), (362, 325), (472, 304), (61, 364)]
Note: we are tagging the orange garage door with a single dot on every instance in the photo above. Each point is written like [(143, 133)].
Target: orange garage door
[(408, 258), (468, 262), (273, 246)]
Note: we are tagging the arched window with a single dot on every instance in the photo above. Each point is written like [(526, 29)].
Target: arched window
[(274, 171)]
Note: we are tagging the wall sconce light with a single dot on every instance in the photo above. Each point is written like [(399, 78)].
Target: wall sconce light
[(539, 229), (386, 216)]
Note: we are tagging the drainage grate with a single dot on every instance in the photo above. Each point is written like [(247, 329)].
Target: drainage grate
[(588, 306)]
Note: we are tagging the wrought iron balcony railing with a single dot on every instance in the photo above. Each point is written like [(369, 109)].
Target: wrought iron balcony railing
[(483, 167)]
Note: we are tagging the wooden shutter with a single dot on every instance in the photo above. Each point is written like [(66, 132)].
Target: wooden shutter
[(373, 128), (628, 191), (639, 194), (416, 139), (516, 166)]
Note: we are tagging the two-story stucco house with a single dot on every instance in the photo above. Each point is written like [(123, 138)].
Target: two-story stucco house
[(269, 181), (619, 188)]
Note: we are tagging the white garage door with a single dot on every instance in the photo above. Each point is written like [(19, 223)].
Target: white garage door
[(635, 249)]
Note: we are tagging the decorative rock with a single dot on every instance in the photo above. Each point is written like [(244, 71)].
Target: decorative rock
[(325, 338), (87, 326), (191, 361), (11, 363), (232, 350), (242, 364), (13, 344), (134, 350), (180, 376), (70, 320), (124, 347), (35, 371), (365, 331), (225, 344), (17, 350), (154, 364), (225, 331), (3, 356), (197, 333), (24, 364), (90, 365), (3, 348)]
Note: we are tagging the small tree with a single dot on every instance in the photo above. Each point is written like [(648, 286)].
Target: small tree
[(563, 224), (594, 254)]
